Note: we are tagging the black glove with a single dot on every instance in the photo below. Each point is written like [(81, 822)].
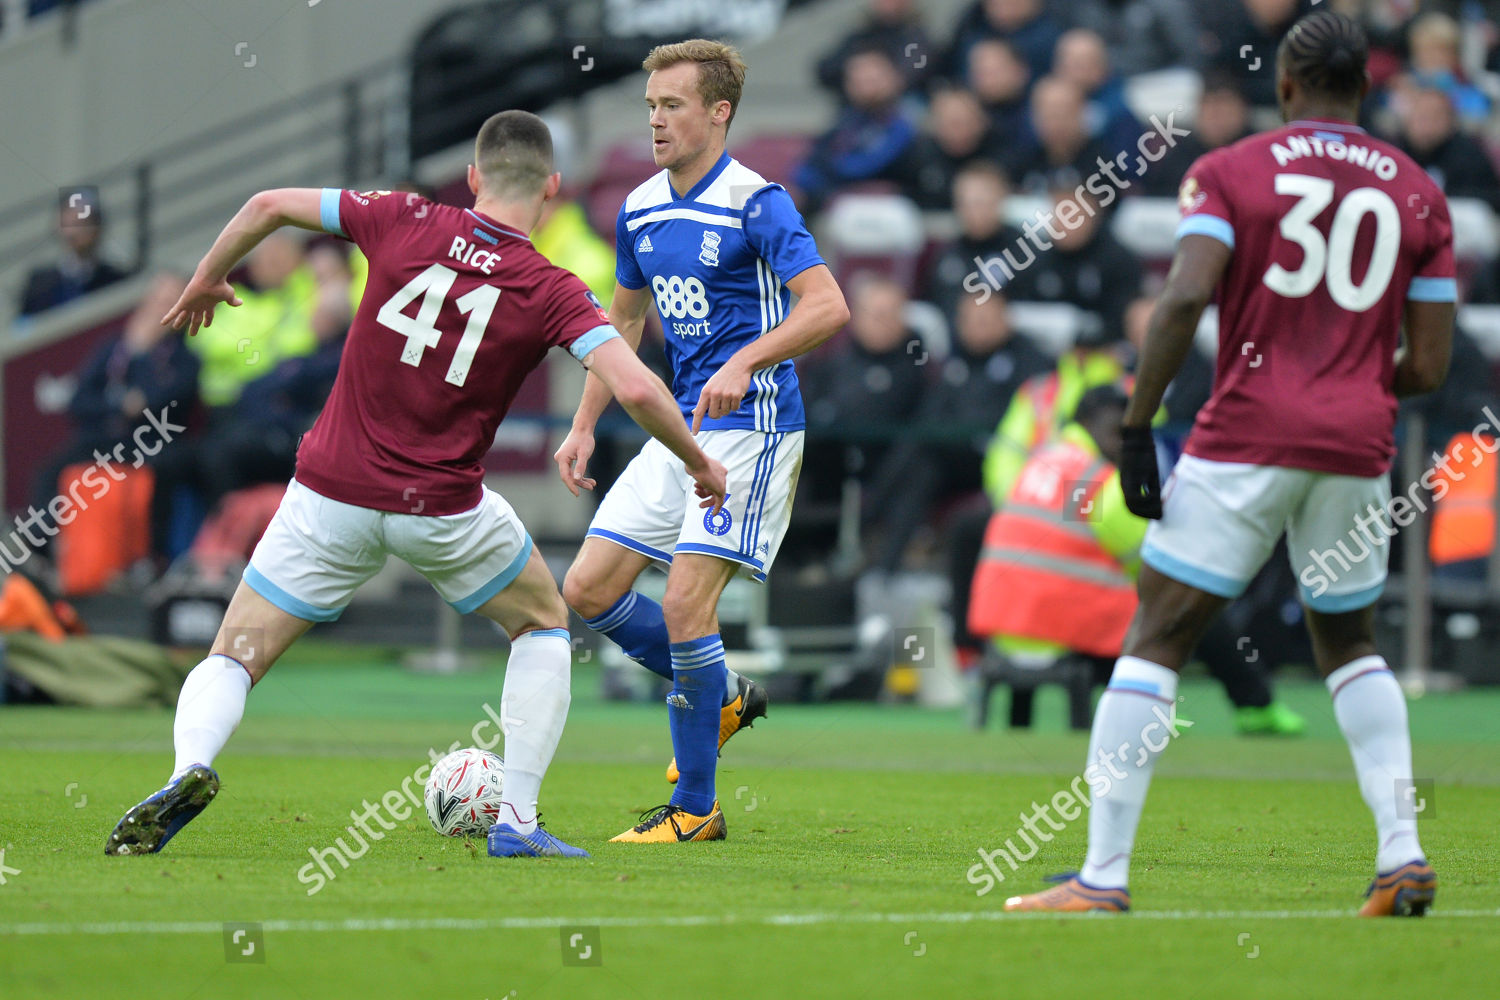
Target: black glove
[(1140, 478)]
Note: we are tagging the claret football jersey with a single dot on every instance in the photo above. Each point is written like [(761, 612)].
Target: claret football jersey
[(1332, 232), (457, 311)]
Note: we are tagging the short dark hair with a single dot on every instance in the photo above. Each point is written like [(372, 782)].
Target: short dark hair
[(513, 153), (1327, 54)]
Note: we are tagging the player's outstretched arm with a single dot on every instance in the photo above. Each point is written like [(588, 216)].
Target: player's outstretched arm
[(820, 312), (1422, 363), (262, 215), (651, 405)]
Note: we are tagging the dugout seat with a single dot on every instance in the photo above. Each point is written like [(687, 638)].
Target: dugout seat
[(1024, 675)]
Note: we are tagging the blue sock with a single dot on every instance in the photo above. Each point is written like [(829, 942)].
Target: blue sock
[(635, 624), (693, 716)]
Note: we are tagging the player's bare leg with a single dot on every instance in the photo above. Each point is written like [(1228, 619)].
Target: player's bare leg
[(533, 705), (1371, 711), (598, 587), (251, 639), (1133, 723), (694, 585)]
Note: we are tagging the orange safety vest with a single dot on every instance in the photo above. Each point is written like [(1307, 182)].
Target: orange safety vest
[(1463, 525), (1042, 573)]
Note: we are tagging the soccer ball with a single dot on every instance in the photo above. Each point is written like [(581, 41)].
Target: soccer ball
[(463, 792)]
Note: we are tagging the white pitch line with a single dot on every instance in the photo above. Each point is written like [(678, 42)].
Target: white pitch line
[(703, 920)]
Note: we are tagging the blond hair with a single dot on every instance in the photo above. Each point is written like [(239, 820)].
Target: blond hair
[(721, 69)]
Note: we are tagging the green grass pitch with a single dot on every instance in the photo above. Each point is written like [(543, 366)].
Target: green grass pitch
[(851, 830)]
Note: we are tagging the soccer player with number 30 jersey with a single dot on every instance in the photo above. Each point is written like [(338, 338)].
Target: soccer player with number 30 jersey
[(719, 251), (458, 309), (1323, 244)]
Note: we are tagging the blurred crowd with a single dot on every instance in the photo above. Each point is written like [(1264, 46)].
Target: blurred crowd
[(933, 400)]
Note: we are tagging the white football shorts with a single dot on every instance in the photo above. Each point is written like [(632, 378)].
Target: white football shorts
[(1220, 522), (652, 508), (317, 552)]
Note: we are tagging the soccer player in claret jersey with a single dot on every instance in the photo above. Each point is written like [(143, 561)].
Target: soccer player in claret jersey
[(1321, 242), (458, 309), (719, 249)]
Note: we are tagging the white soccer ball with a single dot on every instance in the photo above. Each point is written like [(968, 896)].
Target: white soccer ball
[(463, 792)]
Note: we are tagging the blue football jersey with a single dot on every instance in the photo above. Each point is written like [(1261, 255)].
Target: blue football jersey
[(716, 261)]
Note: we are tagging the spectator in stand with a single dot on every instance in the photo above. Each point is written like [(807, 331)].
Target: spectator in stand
[(273, 322), (1241, 38), (872, 137), (146, 366), (1223, 118), (1086, 267), (1058, 139), (1025, 24), (979, 194), (564, 237), (1433, 41), (1455, 160), (1082, 60), (80, 270), (861, 396), (940, 460), (1001, 80), (1142, 35), (257, 442), (958, 131), (894, 27)]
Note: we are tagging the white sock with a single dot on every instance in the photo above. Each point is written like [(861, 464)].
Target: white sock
[(533, 710), (209, 709), (731, 685), (1371, 711), (1131, 727)]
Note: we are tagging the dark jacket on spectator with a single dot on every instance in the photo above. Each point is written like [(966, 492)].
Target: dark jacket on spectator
[(166, 373), (58, 284), (289, 398), (1461, 167), (1141, 35), (1101, 277), (907, 43), (861, 146), (1033, 41)]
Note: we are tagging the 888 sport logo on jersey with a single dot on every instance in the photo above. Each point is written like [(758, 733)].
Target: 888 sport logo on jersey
[(683, 303)]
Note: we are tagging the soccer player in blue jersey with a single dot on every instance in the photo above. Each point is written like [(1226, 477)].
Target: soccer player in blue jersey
[(720, 251)]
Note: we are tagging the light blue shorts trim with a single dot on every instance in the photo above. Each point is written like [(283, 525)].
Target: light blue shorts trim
[(1193, 576), (502, 580), (256, 581)]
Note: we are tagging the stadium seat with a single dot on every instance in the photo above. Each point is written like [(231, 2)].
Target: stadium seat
[(1483, 324), (1052, 326), (928, 322), (1147, 226), (1474, 235), (1164, 91), (874, 232), (775, 157), (622, 167)]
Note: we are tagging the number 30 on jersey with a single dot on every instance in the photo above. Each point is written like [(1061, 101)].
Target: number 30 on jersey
[(1332, 260), (433, 285)]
